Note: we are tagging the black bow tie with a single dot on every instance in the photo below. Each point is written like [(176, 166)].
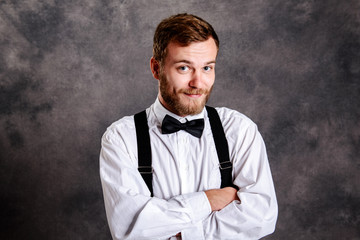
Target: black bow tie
[(171, 125)]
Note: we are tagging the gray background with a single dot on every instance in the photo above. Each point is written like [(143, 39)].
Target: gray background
[(70, 68)]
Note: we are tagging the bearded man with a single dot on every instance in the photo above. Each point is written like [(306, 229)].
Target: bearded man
[(180, 169)]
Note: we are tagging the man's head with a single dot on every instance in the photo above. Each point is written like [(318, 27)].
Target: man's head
[(184, 55), (183, 29)]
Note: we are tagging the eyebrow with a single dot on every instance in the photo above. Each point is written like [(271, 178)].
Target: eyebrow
[(189, 62)]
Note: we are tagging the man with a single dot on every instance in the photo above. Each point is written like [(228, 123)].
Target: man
[(184, 198)]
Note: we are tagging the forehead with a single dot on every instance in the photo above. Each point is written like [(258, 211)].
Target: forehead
[(194, 52)]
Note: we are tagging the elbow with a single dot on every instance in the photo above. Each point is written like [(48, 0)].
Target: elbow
[(270, 227), (269, 221)]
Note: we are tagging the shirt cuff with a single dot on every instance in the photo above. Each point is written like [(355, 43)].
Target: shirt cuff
[(199, 205)]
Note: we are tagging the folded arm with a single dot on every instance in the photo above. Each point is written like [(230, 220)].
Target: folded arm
[(255, 214), (131, 212)]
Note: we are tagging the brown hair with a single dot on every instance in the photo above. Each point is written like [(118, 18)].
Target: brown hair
[(181, 28)]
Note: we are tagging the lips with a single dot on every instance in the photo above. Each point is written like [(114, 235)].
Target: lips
[(193, 95), (198, 92)]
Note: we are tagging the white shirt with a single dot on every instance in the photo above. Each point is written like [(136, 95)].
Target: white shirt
[(184, 167)]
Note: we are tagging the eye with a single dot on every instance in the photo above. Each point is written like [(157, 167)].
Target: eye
[(207, 68), (183, 68)]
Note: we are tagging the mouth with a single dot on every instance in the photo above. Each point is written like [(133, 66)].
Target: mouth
[(193, 95)]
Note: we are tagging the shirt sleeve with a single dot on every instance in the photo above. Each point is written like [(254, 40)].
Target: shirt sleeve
[(131, 212), (255, 215)]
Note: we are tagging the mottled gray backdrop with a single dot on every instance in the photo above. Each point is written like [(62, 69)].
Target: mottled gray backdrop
[(70, 68)]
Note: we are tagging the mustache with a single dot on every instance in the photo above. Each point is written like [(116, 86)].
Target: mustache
[(194, 91)]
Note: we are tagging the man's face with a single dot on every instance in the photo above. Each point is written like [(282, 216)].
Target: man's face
[(187, 76)]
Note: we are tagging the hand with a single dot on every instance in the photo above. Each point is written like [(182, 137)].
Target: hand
[(219, 198)]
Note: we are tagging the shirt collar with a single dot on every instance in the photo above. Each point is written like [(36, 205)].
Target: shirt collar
[(160, 112)]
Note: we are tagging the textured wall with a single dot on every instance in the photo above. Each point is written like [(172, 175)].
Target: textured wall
[(70, 68)]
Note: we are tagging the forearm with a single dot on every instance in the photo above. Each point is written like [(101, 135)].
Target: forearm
[(252, 218), (133, 214), (142, 217)]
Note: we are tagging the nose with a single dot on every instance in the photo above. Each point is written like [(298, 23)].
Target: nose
[(196, 80)]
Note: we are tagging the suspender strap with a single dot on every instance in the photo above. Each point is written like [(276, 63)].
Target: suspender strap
[(222, 148), (144, 149)]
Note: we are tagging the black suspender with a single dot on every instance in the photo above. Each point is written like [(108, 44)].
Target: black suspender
[(144, 148), (222, 147)]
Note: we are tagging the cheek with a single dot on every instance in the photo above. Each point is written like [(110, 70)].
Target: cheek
[(210, 81), (177, 81)]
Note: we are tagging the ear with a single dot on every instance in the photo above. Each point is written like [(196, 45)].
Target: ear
[(155, 68)]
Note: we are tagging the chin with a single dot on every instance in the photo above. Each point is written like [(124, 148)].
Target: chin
[(193, 109)]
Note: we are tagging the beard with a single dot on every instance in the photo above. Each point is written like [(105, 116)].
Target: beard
[(180, 106)]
